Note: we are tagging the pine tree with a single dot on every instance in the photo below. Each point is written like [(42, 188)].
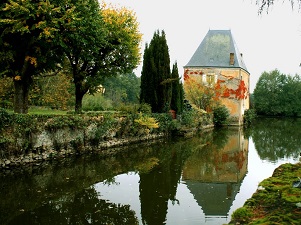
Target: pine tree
[(155, 88)]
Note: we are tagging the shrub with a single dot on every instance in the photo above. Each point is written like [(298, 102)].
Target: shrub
[(195, 118), (147, 121), (5, 118), (220, 115), (165, 121), (128, 108), (189, 118), (96, 102), (249, 116), (145, 108)]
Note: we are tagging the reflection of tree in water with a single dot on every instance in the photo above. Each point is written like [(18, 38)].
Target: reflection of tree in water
[(159, 185), (58, 193), (220, 138), (82, 208), (276, 138), (37, 189)]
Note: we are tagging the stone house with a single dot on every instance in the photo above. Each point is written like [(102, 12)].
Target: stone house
[(217, 62)]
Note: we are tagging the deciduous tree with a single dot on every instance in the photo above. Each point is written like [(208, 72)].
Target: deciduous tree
[(199, 95), (277, 94), (28, 33), (124, 88), (103, 43)]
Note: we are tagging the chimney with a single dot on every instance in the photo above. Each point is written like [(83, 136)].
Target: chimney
[(231, 58)]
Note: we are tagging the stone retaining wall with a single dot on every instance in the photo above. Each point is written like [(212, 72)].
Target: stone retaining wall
[(38, 143)]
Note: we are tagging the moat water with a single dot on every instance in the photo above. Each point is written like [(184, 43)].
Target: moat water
[(200, 180)]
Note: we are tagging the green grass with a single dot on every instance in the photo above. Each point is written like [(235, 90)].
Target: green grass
[(34, 110)]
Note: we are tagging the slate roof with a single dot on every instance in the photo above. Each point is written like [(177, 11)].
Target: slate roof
[(215, 199), (214, 51)]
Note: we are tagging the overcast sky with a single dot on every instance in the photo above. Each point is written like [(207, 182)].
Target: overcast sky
[(268, 41)]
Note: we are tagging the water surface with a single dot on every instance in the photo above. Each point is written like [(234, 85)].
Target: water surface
[(200, 180)]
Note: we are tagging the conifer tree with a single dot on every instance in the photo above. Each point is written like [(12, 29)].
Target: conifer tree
[(177, 97), (155, 88), (147, 89)]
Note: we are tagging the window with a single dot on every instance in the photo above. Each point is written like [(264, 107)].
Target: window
[(210, 79)]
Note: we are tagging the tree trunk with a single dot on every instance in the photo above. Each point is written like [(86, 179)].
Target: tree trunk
[(79, 94), (21, 96)]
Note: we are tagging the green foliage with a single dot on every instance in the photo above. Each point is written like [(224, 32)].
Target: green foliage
[(145, 120), (155, 76), (195, 118), (96, 102), (166, 122), (190, 118), (128, 108), (249, 116), (109, 46), (37, 36), (27, 44), (145, 108), (6, 92), (277, 94), (37, 110), (124, 88), (177, 97), (5, 118), (220, 115), (59, 122), (52, 91), (280, 139)]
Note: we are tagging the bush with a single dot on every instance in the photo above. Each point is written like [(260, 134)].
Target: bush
[(165, 122), (145, 108), (96, 102), (220, 115), (190, 118), (5, 118), (128, 108), (249, 116)]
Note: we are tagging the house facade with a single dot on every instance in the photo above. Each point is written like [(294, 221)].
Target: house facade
[(218, 63)]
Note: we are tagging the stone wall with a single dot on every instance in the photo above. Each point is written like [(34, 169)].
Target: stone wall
[(33, 140)]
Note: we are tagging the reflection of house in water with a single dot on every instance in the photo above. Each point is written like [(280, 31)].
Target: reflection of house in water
[(214, 174)]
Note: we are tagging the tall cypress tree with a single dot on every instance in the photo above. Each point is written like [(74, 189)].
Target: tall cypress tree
[(147, 88), (155, 72), (177, 97)]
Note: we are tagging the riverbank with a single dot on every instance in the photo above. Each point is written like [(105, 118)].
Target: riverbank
[(276, 200), (34, 138)]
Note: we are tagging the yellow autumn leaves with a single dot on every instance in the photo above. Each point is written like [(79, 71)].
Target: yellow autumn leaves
[(147, 121)]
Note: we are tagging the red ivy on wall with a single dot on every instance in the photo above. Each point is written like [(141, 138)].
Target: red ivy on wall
[(222, 90), (222, 87)]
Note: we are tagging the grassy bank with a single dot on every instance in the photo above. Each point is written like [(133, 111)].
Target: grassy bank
[(276, 200)]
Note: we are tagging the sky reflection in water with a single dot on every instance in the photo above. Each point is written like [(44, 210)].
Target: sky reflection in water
[(201, 180)]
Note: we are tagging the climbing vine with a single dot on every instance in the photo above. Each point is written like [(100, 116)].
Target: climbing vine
[(224, 87), (230, 87)]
